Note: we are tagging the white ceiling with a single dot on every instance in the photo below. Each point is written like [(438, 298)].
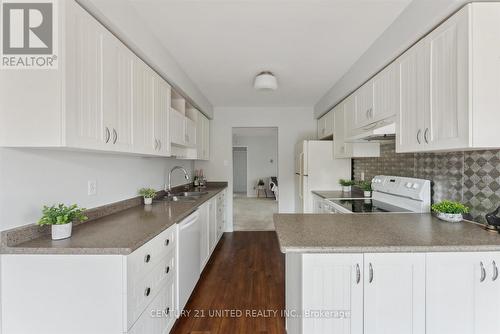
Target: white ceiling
[(308, 44)]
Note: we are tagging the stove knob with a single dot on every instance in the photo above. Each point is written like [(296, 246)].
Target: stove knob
[(415, 186), (409, 185)]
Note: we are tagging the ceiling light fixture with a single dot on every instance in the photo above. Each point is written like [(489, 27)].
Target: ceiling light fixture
[(265, 81)]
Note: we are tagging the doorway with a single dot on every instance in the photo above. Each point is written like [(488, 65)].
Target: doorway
[(240, 180), (255, 178)]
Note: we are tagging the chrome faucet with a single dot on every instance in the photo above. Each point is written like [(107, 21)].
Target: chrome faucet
[(168, 187)]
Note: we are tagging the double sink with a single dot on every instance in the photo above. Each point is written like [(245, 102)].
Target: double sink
[(184, 196)]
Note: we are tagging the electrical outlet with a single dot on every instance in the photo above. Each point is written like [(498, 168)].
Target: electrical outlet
[(362, 176), (92, 187)]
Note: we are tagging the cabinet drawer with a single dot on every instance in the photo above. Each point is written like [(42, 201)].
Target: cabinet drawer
[(144, 259), (159, 316), (140, 293)]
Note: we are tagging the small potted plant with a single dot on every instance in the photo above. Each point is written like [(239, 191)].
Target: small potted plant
[(450, 211), (346, 185), (148, 194), (367, 188), (61, 218)]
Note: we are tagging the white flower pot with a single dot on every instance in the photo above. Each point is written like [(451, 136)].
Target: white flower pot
[(346, 189), (450, 217), (367, 193), (61, 231), (148, 201)]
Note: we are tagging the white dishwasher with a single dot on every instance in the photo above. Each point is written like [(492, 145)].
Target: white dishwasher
[(188, 257)]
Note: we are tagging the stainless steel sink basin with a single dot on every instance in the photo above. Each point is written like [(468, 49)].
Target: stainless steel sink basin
[(190, 194)]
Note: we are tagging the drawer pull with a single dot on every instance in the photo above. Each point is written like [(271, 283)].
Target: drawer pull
[(495, 271), (147, 292), (483, 272), (167, 242), (370, 279), (167, 269), (167, 311), (358, 274), (147, 258)]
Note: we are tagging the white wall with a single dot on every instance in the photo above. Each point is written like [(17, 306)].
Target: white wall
[(293, 124), (30, 178), (261, 150)]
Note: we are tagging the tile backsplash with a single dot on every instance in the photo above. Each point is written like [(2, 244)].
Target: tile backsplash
[(471, 177)]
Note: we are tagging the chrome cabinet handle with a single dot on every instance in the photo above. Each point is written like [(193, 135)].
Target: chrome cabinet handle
[(115, 136), (147, 291), (147, 258), (425, 135), (167, 311), (156, 143), (418, 136), (367, 113), (495, 271), (483, 272), (107, 136), (167, 242), (370, 279), (167, 269), (358, 274)]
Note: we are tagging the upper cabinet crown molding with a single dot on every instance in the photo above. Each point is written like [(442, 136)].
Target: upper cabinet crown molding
[(101, 98)]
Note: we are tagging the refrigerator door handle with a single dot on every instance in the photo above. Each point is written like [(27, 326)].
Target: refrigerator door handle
[(301, 162), (301, 180)]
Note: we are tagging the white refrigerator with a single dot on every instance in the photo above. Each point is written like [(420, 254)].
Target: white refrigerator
[(315, 169)]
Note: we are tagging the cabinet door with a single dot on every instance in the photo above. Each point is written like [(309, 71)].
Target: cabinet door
[(83, 76), (117, 93), (190, 133), (200, 125), (142, 109), (386, 93), (340, 147), (363, 99), (204, 235), (212, 227), (333, 283), (463, 293), (177, 128), (414, 113), (206, 138), (394, 295), (161, 103), (449, 47)]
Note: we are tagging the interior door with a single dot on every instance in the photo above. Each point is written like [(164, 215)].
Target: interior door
[(394, 294)]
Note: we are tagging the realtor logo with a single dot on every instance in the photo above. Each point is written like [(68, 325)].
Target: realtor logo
[(28, 38)]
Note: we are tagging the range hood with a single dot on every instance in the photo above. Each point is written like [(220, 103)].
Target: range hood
[(380, 131)]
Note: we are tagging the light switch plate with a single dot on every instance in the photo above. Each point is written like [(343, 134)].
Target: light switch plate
[(92, 187)]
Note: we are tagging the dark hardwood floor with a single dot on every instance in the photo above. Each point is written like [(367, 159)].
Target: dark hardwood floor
[(241, 290)]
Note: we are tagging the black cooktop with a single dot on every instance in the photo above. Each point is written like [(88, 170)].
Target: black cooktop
[(367, 205)]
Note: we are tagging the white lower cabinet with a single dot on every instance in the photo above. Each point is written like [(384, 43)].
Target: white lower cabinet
[(204, 211), (463, 293), (394, 295), (334, 286)]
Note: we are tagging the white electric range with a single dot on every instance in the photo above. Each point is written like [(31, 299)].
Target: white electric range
[(390, 194)]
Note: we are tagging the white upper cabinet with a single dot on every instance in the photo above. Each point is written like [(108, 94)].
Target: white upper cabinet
[(413, 117), (463, 293), (325, 126), (161, 109), (190, 133), (143, 118), (84, 121), (449, 48), (102, 97), (117, 67), (343, 124), (177, 128), (363, 99), (386, 93), (449, 84), (394, 294)]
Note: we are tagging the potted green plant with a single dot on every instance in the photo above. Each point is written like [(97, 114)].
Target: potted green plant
[(346, 185), (61, 218), (148, 194), (450, 211), (367, 188)]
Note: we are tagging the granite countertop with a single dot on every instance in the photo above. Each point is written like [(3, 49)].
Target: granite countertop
[(118, 233), (381, 232)]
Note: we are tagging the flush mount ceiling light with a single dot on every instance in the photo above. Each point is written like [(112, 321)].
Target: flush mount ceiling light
[(265, 81)]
